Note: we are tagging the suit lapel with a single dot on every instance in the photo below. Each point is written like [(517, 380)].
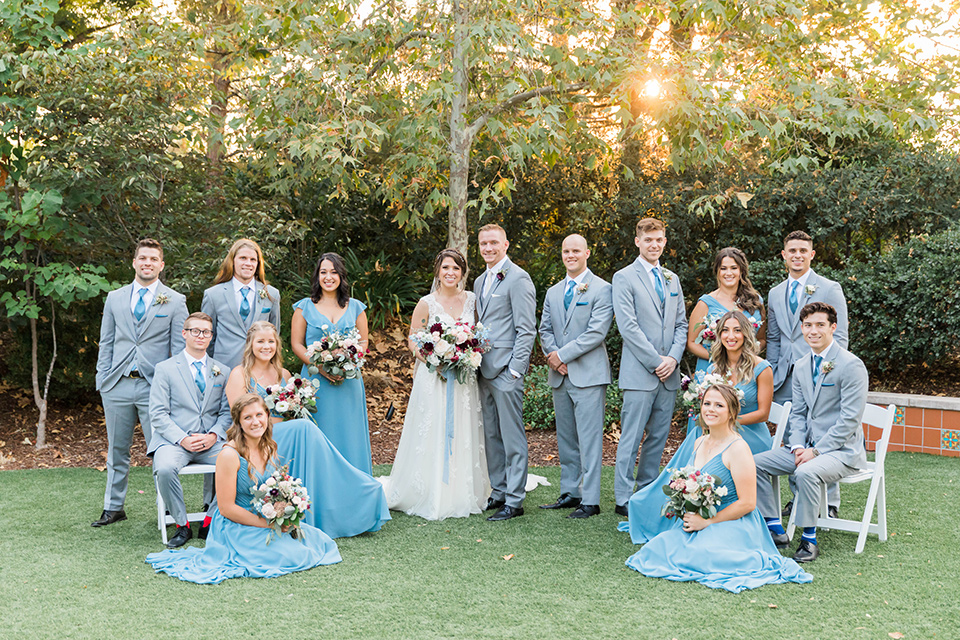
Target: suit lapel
[(794, 317), (478, 295), (208, 378), (230, 299), (257, 302), (802, 370), (153, 309), (829, 354), (124, 313), (577, 297), (186, 372), (648, 287)]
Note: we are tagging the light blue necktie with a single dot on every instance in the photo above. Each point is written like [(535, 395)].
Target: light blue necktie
[(245, 305), (201, 383), (141, 309), (658, 282), (568, 294), (794, 302), (816, 368)]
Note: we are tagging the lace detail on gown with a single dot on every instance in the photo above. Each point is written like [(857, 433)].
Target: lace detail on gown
[(415, 484)]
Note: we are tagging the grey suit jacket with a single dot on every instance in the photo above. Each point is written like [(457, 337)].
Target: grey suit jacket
[(578, 333), (827, 416), (785, 343), (229, 330), (648, 333), (158, 336), (510, 313), (176, 407)]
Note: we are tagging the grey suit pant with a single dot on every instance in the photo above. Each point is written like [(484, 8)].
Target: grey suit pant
[(809, 476), (126, 404), (501, 403), (168, 459), (579, 412), (643, 411)]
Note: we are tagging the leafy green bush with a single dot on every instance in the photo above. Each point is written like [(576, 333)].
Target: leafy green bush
[(538, 401), (383, 284)]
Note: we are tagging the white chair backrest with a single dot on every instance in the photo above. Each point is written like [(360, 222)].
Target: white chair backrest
[(779, 415), (882, 417)]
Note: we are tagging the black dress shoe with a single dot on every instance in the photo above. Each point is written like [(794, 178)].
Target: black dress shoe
[(585, 511), (202, 534), (787, 509), (183, 534), (109, 517), (833, 512), (505, 513), (565, 501), (493, 504), (806, 552), (621, 510), (780, 539)]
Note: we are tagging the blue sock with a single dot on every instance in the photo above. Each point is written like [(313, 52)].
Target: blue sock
[(810, 535), (775, 525)]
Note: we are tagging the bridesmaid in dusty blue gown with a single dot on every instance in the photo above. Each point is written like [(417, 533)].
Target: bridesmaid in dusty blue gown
[(341, 404), (346, 501), (237, 543), (732, 550), (734, 292), (735, 357)]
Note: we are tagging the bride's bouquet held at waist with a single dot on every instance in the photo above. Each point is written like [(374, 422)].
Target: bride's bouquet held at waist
[(292, 399), (340, 354), (457, 347), (282, 500), (690, 489)]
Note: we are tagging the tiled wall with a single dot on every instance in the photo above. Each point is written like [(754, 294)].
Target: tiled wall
[(934, 431)]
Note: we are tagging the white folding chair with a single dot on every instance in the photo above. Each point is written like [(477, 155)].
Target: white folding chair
[(779, 415), (876, 416), (197, 516)]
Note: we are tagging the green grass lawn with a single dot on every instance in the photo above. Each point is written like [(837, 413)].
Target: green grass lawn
[(60, 578)]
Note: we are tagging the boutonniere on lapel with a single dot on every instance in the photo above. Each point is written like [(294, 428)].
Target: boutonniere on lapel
[(582, 288), (667, 276), (215, 371), (161, 299), (810, 289), (827, 366), (502, 274), (262, 293)]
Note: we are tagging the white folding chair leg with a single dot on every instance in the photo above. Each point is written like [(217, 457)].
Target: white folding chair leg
[(791, 524), (164, 520), (775, 485), (866, 526)]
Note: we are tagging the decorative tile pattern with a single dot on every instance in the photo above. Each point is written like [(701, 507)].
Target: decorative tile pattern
[(950, 440), (900, 416)]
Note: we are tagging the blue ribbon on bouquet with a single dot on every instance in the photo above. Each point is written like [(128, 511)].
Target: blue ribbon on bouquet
[(451, 377)]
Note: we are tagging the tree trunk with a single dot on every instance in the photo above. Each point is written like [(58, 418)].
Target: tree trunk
[(40, 399), (461, 137)]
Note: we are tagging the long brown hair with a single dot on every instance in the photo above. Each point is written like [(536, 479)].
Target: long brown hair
[(747, 296), (343, 291), (247, 360), (267, 447), (751, 348), (730, 396), (225, 274)]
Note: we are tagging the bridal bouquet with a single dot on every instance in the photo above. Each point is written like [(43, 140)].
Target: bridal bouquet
[(457, 347), (689, 489), (282, 500), (295, 399), (338, 353)]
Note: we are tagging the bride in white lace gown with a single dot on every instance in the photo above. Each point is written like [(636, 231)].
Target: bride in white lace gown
[(416, 484)]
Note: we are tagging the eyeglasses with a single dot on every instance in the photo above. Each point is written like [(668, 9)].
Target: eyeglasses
[(197, 333)]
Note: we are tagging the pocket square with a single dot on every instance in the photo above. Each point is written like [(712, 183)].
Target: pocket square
[(495, 295), (266, 310), (217, 385), (582, 304), (162, 316), (673, 294), (829, 384)]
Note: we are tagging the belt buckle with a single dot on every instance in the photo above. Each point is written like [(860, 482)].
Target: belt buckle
[(134, 374)]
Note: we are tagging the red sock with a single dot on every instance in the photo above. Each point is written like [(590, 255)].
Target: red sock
[(206, 521)]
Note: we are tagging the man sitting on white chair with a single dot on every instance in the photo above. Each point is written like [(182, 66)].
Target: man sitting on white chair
[(825, 436), (190, 416)]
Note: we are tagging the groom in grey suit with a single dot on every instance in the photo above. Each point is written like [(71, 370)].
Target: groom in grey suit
[(651, 317), (239, 297), (577, 313), (507, 306), (825, 440), (140, 327), (190, 416), (785, 343)]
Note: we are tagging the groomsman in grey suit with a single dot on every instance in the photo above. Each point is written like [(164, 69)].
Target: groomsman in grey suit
[(239, 297), (506, 304), (651, 317), (825, 440), (785, 344), (577, 313), (190, 416), (140, 327)]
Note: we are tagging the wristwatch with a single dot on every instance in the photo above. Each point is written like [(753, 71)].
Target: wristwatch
[(816, 452)]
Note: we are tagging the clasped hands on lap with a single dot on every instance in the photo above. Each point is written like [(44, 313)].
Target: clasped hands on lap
[(197, 442)]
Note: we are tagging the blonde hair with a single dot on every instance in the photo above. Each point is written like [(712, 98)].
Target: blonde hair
[(248, 359), (751, 348), (225, 274), (266, 446), (492, 227), (730, 396)]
